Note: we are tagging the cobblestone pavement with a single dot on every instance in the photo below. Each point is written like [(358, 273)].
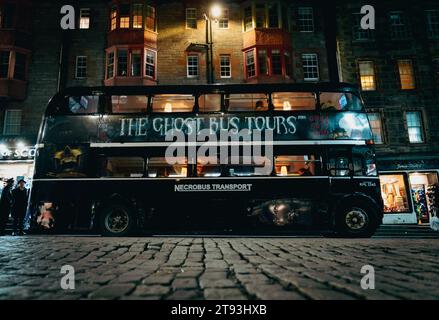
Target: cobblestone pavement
[(217, 268)]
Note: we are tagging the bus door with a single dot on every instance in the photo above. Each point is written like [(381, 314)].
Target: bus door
[(339, 167)]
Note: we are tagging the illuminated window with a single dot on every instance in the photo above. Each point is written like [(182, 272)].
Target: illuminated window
[(113, 18), (138, 16), (293, 101), (377, 127), (173, 103), (398, 26), (4, 63), (433, 23), (192, 66), (305, 19), (159, 167), (20, 66), (150, 18), (246, 102), (276, 62), (367, 75), (150, 58), (406, 76), (250, 63), (12, 124), (358, 32), (273, 15), (191, 18), (129, 104), (304, 165), (248, 166), (136, 63), (123, 167), (81, 67), (122, 62), (84, 21), (110, 64), (310, 66), (225, 66), (415, 127), (223, 22), (248, 18), (394, 193), (124, 16)]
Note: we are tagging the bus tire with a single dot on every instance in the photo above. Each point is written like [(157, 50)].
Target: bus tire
[(356, 219), (117, 220)]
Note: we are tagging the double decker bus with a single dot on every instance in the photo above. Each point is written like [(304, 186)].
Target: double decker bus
[(117, 160)]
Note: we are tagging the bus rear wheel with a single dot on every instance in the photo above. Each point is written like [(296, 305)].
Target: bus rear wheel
[(117, 220), (356, 220)]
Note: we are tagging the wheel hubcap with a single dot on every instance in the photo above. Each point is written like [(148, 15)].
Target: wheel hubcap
[(117, 221), (356, 219)]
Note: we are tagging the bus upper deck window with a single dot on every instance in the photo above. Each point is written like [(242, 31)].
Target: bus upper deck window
[(173, 103), (295, 165), (159, 167), (129, 104), (83, 104), (210, 103), (122, 167), (294, 101), (339, 101), (246, 102)]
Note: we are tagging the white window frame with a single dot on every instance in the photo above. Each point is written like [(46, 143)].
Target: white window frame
[(229, 66), (84, 24), (223, 21), (149, 64), (421, 126), (316, 66), (190, 17), (379, 119), (304, 18), (191, 65), (247, 64), (373, 75), (6, 125), (77, 67)]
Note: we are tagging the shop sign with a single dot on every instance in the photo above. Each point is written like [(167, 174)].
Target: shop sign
[(26, 153)]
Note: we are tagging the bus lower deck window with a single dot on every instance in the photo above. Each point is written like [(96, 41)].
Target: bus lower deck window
[(295, 165), (129, 104), (159, 167), (247, 167), (173, 103), (246, 102), (294, 101), (123, 167), (208, 167)]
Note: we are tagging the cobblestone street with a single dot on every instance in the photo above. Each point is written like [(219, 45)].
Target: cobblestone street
[(217, 268)]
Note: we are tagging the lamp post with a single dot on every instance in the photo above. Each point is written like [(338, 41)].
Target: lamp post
[(214, 13)]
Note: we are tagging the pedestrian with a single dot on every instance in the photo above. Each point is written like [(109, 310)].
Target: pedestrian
[(19, 206), (5, 205)]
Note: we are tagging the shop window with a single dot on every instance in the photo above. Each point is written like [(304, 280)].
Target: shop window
[(367, 75), (263, 62), (208, 167), (81, 67), (415, 127), (12, 124), (123, 167), (250, 63), (305, 19), (150, 58), (113, 18), (173, 103), (192, 66), (360, 34), (425, 193), (433, 23), (398, 25), (246, 102), (223, 22), (7, 15), (138, 16), (376, 125), (124, 11), (4, 63), (210, 103), (293, 101), (406, 74), (339, 101), (248, 166), (276, 62), (191, 18), (83, 104), (136, 63), (248, 18), (310, 66), (159, 167), (394, 193), (300, 165), (129, 104), (20, 66), (363, 159), (122, 62), (110, 64), (273, 15), (84, 18), (150, 18), (225, 66)]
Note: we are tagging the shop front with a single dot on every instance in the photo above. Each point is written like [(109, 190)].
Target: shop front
[(410, 190), (16, 162)]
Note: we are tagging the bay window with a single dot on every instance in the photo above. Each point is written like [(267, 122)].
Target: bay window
[(7, 15), (136, 16), (136, 63), (264, 14), (273, 15), (250, 63), (124, 16), (150, 18), (113, 18), (131, 62), (262, 62), (13, 65), (150, 63), (268, 62), (261, 17), (276, 62), (248, 18), (110, 65), (122, 62)]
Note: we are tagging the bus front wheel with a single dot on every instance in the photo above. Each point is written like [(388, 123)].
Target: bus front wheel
[(356, 220), (117, 220)]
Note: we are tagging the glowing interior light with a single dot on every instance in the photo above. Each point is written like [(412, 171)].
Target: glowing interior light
[(20, 145), (184, 172), (168, 107), (283, 171), (287, 106), (216, 11)]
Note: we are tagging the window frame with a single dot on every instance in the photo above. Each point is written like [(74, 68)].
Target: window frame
[(192, 55), (411, 74), (316, 66), (6, 124), (77, 67), (374, 75), (432, 27), (421, 126), (301, 18), (380, 121), (87, 24), (146, 63), (399, 31), (224, 20), (246, 64), (193, 18), (229, 66)]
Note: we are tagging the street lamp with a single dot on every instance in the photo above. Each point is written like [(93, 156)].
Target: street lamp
[(214, 14)]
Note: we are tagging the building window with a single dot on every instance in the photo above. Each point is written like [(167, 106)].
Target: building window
[(20, 66), (273, 15), (192, 66), (84, 20), (110, 65), (359, 33), (398, 26), (138, 16), (7, 14), (305, 19), (263, 62), (150, 63), (248, 18), (377, 127), (150, 18), (113, 18), (223, 22), (81, 67), (261, 17), (415, 127), (367, 75), (12, 126), (225, 66), (191, 18), (250, 63), (287, 64), (122, 62), (433, 23), (136, 63), (276, 62), (4, 63), (310, 66), (124, 16), (406, 74)]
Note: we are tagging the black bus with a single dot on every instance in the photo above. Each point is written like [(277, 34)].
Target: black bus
[(117, 160)]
